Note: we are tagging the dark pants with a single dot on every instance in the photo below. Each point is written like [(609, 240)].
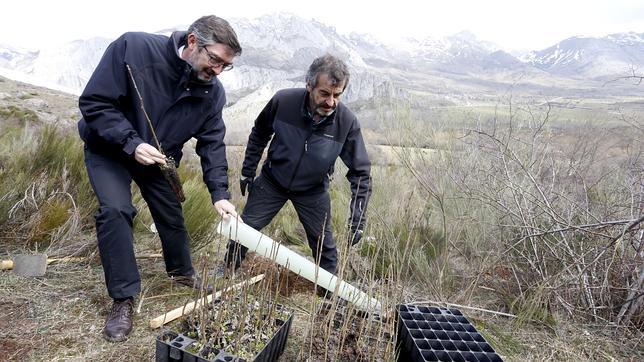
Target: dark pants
[(313, 209), (111, 178)]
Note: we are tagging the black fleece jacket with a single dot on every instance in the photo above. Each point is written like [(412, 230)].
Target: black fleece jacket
[(179, 107), (301, 155)]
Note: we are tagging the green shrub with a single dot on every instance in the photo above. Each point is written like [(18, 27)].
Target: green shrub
[(50, 216), (37, 166)]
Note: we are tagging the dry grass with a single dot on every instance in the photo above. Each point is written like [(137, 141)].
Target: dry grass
[(61, 316)]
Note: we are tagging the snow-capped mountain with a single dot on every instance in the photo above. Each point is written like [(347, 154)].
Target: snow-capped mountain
[(464, 53), (279, 48), (588, 57), (66, 68), (12, 58)]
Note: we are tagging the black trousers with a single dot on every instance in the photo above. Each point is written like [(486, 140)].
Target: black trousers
[(313, 210), (111, 177)]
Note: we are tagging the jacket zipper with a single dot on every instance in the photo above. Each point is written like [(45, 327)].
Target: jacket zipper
[(297, 166)]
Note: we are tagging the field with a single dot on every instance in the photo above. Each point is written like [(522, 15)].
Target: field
[(527, 209)]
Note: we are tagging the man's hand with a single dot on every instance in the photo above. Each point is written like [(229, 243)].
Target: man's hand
[(225, 209), (146, 154), (355, 236), (245, 183)]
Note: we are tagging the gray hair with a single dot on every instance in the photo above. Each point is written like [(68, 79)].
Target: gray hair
[(211, 29), (328, 64)]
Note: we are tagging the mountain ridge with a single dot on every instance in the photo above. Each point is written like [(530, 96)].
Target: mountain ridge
[(455, 70)]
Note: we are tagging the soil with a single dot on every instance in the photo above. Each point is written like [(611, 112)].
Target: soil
[(289, 283), (14, 313)]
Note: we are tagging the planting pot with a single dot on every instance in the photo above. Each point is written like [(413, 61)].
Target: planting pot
[(439, 334)]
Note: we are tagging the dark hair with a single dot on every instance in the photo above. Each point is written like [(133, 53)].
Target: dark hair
[(328, 64), (211, 29)]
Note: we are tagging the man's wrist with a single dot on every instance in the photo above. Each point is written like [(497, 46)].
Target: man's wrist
[(219, 195)]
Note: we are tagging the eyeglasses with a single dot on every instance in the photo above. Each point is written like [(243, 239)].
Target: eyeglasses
[(215, 61)]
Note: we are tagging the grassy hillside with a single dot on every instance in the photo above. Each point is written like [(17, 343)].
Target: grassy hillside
[(523, 209)]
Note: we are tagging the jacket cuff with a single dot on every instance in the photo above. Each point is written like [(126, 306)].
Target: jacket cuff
[(219, 195), (245, 173), (131, 145)]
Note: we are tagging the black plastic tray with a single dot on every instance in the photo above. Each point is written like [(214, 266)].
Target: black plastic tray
[(171, 346), (439, 334)]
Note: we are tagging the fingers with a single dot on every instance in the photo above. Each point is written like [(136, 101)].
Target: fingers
[(225, 209), (146, 154), (225, 212), (160, 158), (149, 160), (227, 215)]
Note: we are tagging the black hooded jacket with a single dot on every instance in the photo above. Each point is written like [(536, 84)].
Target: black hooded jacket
[(301, 155), (179, 107)]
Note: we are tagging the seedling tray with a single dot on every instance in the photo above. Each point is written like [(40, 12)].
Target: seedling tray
[(172, 346), (439, 334)]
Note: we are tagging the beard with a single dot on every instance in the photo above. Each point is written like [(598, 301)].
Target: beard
[(199, 74), (323, 111), (202, 76)]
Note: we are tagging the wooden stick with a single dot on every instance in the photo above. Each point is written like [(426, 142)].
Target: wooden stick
[(192, 306), (8, 264), (466, 307)]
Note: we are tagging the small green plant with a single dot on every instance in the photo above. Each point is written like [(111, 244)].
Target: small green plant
[(51, 215), (241, 326)]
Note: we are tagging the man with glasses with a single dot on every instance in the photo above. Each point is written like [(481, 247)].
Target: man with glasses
[(215, 61), (308, 129), (149, 88)]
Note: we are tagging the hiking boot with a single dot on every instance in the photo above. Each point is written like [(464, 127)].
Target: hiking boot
[(119, 320), (192, 281)]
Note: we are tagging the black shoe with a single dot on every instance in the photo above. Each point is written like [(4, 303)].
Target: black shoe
[(119, 320), (193, 281)]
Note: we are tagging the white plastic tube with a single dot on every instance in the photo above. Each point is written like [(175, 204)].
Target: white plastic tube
[(269, 248)]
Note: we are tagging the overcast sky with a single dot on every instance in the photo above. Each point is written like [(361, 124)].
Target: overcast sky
[(512, 24)]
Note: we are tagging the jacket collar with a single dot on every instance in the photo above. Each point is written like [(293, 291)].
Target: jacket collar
[(177, 39)]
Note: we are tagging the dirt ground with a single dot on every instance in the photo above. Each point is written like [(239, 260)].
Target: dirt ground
[(60, 317)]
